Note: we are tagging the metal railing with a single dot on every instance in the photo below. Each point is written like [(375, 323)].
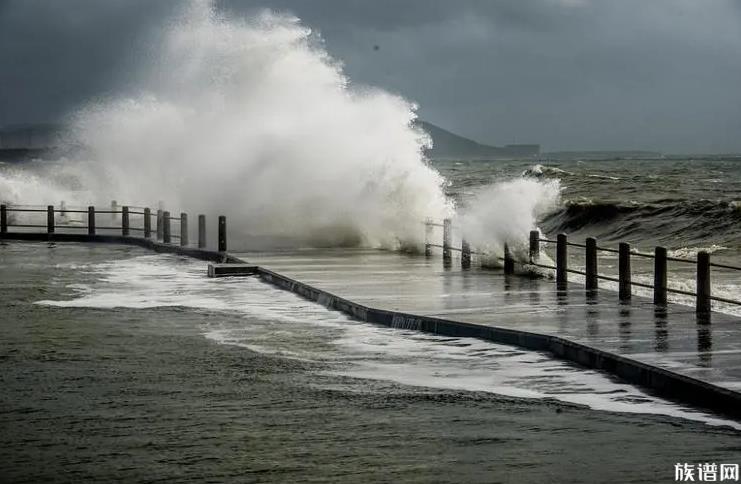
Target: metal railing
[(703, 294), (121, 219), (660, 287)]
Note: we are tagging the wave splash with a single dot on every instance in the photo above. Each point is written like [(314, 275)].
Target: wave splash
[(253, 119)]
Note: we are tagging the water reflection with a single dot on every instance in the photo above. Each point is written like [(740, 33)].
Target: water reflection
[(704, 345), (661, 333)]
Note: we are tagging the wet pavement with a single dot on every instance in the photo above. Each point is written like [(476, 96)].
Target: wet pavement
[(671, 337)]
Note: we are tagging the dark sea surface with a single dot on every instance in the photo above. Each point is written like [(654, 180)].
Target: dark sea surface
[(120, 365), (672, 202), (683, 204)]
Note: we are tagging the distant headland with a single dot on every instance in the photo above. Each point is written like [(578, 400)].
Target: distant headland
[(447, 145)]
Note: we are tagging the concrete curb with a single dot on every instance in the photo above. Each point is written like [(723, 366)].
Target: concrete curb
[(661, 382)]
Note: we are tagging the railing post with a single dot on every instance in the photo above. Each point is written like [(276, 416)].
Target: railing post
[(428, 237), (147, 223), (91, 220), (166, 227), (660, 280), (222, 233), (3, 219), (62, 208), (114, 209), (125, 221), (465, 254), (703, 305), (447, 239), (624, 280), (183, 229), (561, 260), (201, 231), (50, 219), (591, 264), (160, 224), (509, 262), (534, 246)]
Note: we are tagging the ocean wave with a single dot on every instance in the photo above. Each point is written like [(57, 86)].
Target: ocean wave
[(691, 252), (541, 170), (695, 220)]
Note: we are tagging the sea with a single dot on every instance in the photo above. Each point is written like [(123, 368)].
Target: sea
[(685, 204), (121, 365)]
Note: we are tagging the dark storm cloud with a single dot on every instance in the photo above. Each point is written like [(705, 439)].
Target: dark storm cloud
[(54, 55), (659, 74)]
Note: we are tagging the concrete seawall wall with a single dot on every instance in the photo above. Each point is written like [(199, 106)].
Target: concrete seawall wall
[(657, 380)]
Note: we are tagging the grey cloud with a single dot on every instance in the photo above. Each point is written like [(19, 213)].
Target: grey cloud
[(588, 74)]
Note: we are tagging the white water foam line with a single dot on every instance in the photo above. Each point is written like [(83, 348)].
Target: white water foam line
[(279, 323)]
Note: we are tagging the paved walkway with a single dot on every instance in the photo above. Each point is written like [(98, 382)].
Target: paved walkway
[(671, 339)]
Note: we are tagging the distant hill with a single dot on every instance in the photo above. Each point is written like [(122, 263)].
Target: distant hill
[(33, 139), (447, 145)]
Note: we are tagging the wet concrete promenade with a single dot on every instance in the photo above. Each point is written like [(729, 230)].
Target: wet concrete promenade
[(670, 338)]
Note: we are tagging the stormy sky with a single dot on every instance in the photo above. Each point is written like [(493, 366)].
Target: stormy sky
[(570, 74)]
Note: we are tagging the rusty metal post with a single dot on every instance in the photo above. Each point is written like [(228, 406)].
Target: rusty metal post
[(703, 303), (624, 278), (201, 231), (183, 229), (447, 239), (591, 264), (50, 219), (222, 233), (125, 221), (91, 220), (147, 223), (562, 253), (166, 227), (465, 254), (660, 278), (509, 261), (534, 246), (160, 224)]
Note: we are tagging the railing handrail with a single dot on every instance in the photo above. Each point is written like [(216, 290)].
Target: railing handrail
[(162, 231), (625, 283)]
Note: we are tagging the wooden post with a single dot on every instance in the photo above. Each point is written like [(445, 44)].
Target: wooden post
[(660, 280), (509, 262), (201, 231), (147, 223), (465, 254), (183, 229), (447, 239), (428, 237), (591, 264), (125, 221), (624, 282), (160, 225), (3, 219), (166, 227), (703, 305), (91, 220), (534, 246), (561, 259), (222, 233), (114, 209), (50, 219)]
